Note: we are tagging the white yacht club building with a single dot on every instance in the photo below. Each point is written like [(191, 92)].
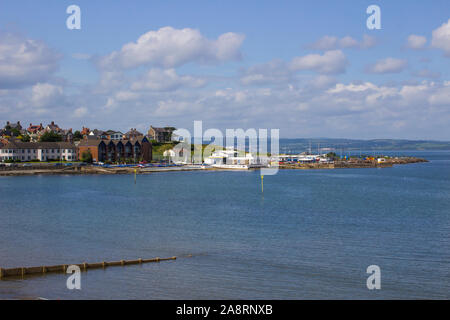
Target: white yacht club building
[(230, 158), (42, 151)]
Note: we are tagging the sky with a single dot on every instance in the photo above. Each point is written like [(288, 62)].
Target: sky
[(308, 68)]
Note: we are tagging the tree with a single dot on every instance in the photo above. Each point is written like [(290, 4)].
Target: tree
[(77, 136), (15, 132), (332, 155), (169, 132), (86, 156), (25, 138), (50, 137)]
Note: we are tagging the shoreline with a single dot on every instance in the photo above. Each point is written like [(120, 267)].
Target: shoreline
[(95, 170)]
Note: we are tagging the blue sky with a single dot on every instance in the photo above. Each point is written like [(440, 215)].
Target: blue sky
[(310, 68)]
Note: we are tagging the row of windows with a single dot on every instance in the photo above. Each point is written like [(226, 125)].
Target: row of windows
[(34, 151), (30, 158)]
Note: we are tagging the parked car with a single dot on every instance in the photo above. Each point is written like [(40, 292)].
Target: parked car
[(11, 164)]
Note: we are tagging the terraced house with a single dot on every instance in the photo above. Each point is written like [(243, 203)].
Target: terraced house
[(139, 149), (42, 151)]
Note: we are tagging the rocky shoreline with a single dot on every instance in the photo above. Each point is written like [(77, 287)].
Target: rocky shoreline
[(350, 164)]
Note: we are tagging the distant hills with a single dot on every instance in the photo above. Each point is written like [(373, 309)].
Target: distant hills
[(341, 145), (366, 145)]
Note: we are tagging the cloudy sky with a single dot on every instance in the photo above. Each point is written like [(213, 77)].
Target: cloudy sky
[(309, 68)]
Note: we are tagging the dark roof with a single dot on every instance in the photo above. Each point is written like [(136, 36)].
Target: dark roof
[(161, 129), (38, 145), (96, 142), (14, 125), (90, 142), (134, 132)]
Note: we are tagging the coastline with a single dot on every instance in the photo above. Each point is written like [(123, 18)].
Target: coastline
[(91, 170)]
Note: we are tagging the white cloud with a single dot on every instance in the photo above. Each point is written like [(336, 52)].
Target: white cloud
[(332, 43), (388, 65), (25, 61), (273, 72), (416, 42), (169, 47), (441, 96), (331, 62), (80, 112), (368, 42), (165, 80), (322, 82), (44, 94), (441, 38), (125, 95)]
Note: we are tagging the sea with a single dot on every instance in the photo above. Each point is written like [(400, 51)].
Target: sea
[(304, 234)]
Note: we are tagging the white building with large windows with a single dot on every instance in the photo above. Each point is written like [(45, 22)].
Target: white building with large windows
[(42, 151), (230, 158)]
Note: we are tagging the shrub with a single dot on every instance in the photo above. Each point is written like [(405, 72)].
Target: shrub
[(87, 156)]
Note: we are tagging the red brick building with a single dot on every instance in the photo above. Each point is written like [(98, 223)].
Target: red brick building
[(102, 150)]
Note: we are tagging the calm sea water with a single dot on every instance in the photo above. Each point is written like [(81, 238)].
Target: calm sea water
[(312, 234)]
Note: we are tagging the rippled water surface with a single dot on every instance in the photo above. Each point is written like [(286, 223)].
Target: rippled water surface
[(312, 234)]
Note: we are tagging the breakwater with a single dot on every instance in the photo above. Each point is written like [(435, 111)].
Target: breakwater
[(22, 271)]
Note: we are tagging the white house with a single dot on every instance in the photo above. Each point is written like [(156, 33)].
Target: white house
[(42, 151)]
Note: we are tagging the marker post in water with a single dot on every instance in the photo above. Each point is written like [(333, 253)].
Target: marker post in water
[(262, 183), (135, 176)]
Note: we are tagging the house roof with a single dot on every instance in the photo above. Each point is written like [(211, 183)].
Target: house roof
[(53, 126), (113, 132), (160, 130), (96, 142), (14, 125), (35, 128), (15, 144), (134, 132)]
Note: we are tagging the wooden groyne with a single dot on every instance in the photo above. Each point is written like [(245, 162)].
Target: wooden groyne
[(62, 268)]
